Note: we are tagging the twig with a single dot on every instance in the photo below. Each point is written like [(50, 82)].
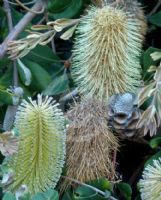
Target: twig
[(41, 20), (155, 8), (89, 186), (15, 74), (114, 158), (69, 96), (8, 13), (19, 28), (10, 25), (52, 41), (27, 3), (136, 172), (30, 10)]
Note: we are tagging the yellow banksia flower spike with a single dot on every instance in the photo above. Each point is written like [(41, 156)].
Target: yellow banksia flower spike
[(107, 49), (41, 151)]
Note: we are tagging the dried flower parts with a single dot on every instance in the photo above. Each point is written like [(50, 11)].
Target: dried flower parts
[(42, 35), (151, 117), (90, 143), (8, 143), (41, 150), (107, 50)]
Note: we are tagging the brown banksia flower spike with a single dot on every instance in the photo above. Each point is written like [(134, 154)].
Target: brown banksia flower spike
[(90, 143), (107, 49)]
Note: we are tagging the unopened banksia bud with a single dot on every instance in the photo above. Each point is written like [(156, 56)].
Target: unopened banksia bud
[(41, 151), (107, 50)]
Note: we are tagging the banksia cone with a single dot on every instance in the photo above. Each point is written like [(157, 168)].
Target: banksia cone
[(107, 50), (41, 151), (123, 115), (90, 144)]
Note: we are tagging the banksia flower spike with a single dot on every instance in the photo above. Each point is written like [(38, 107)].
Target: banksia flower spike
[(41, 151), (107, 50), (150, 185), (90, 143)]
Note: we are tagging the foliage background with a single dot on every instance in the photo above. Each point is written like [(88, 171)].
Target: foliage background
[(50, 75)]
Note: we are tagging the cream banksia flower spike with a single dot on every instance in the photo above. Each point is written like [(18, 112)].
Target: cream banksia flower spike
[(107, 49), (150, 185), (41, 151)]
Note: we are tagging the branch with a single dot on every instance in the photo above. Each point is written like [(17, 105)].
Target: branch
[(10, 25), (89, 186), (155, 8), (20, 27), (8, 13), (30, 10), (52, 41), (69, 96)]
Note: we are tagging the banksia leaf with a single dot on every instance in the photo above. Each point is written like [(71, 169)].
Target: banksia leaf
[(107, 50), (41, 151)]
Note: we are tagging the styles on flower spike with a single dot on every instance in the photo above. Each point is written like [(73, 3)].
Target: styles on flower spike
[(90, 143), (107, 49), (150, 185), (41, 151)]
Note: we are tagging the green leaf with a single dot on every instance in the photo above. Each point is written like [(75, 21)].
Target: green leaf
[(154, 157), (38, 196), (26, 196), (155, 142), (107, 194), (156, 19), (24, 73), (57, 5), (6, 79), (86, 193), (59, 85), (4, 62), (51, 195), (44, 56), (5, 96), (68, 195), (40, 77), (3, 27), (71, 11), (9, 196), (2, 12), (102, 184), (125, 190), (48, 195)]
